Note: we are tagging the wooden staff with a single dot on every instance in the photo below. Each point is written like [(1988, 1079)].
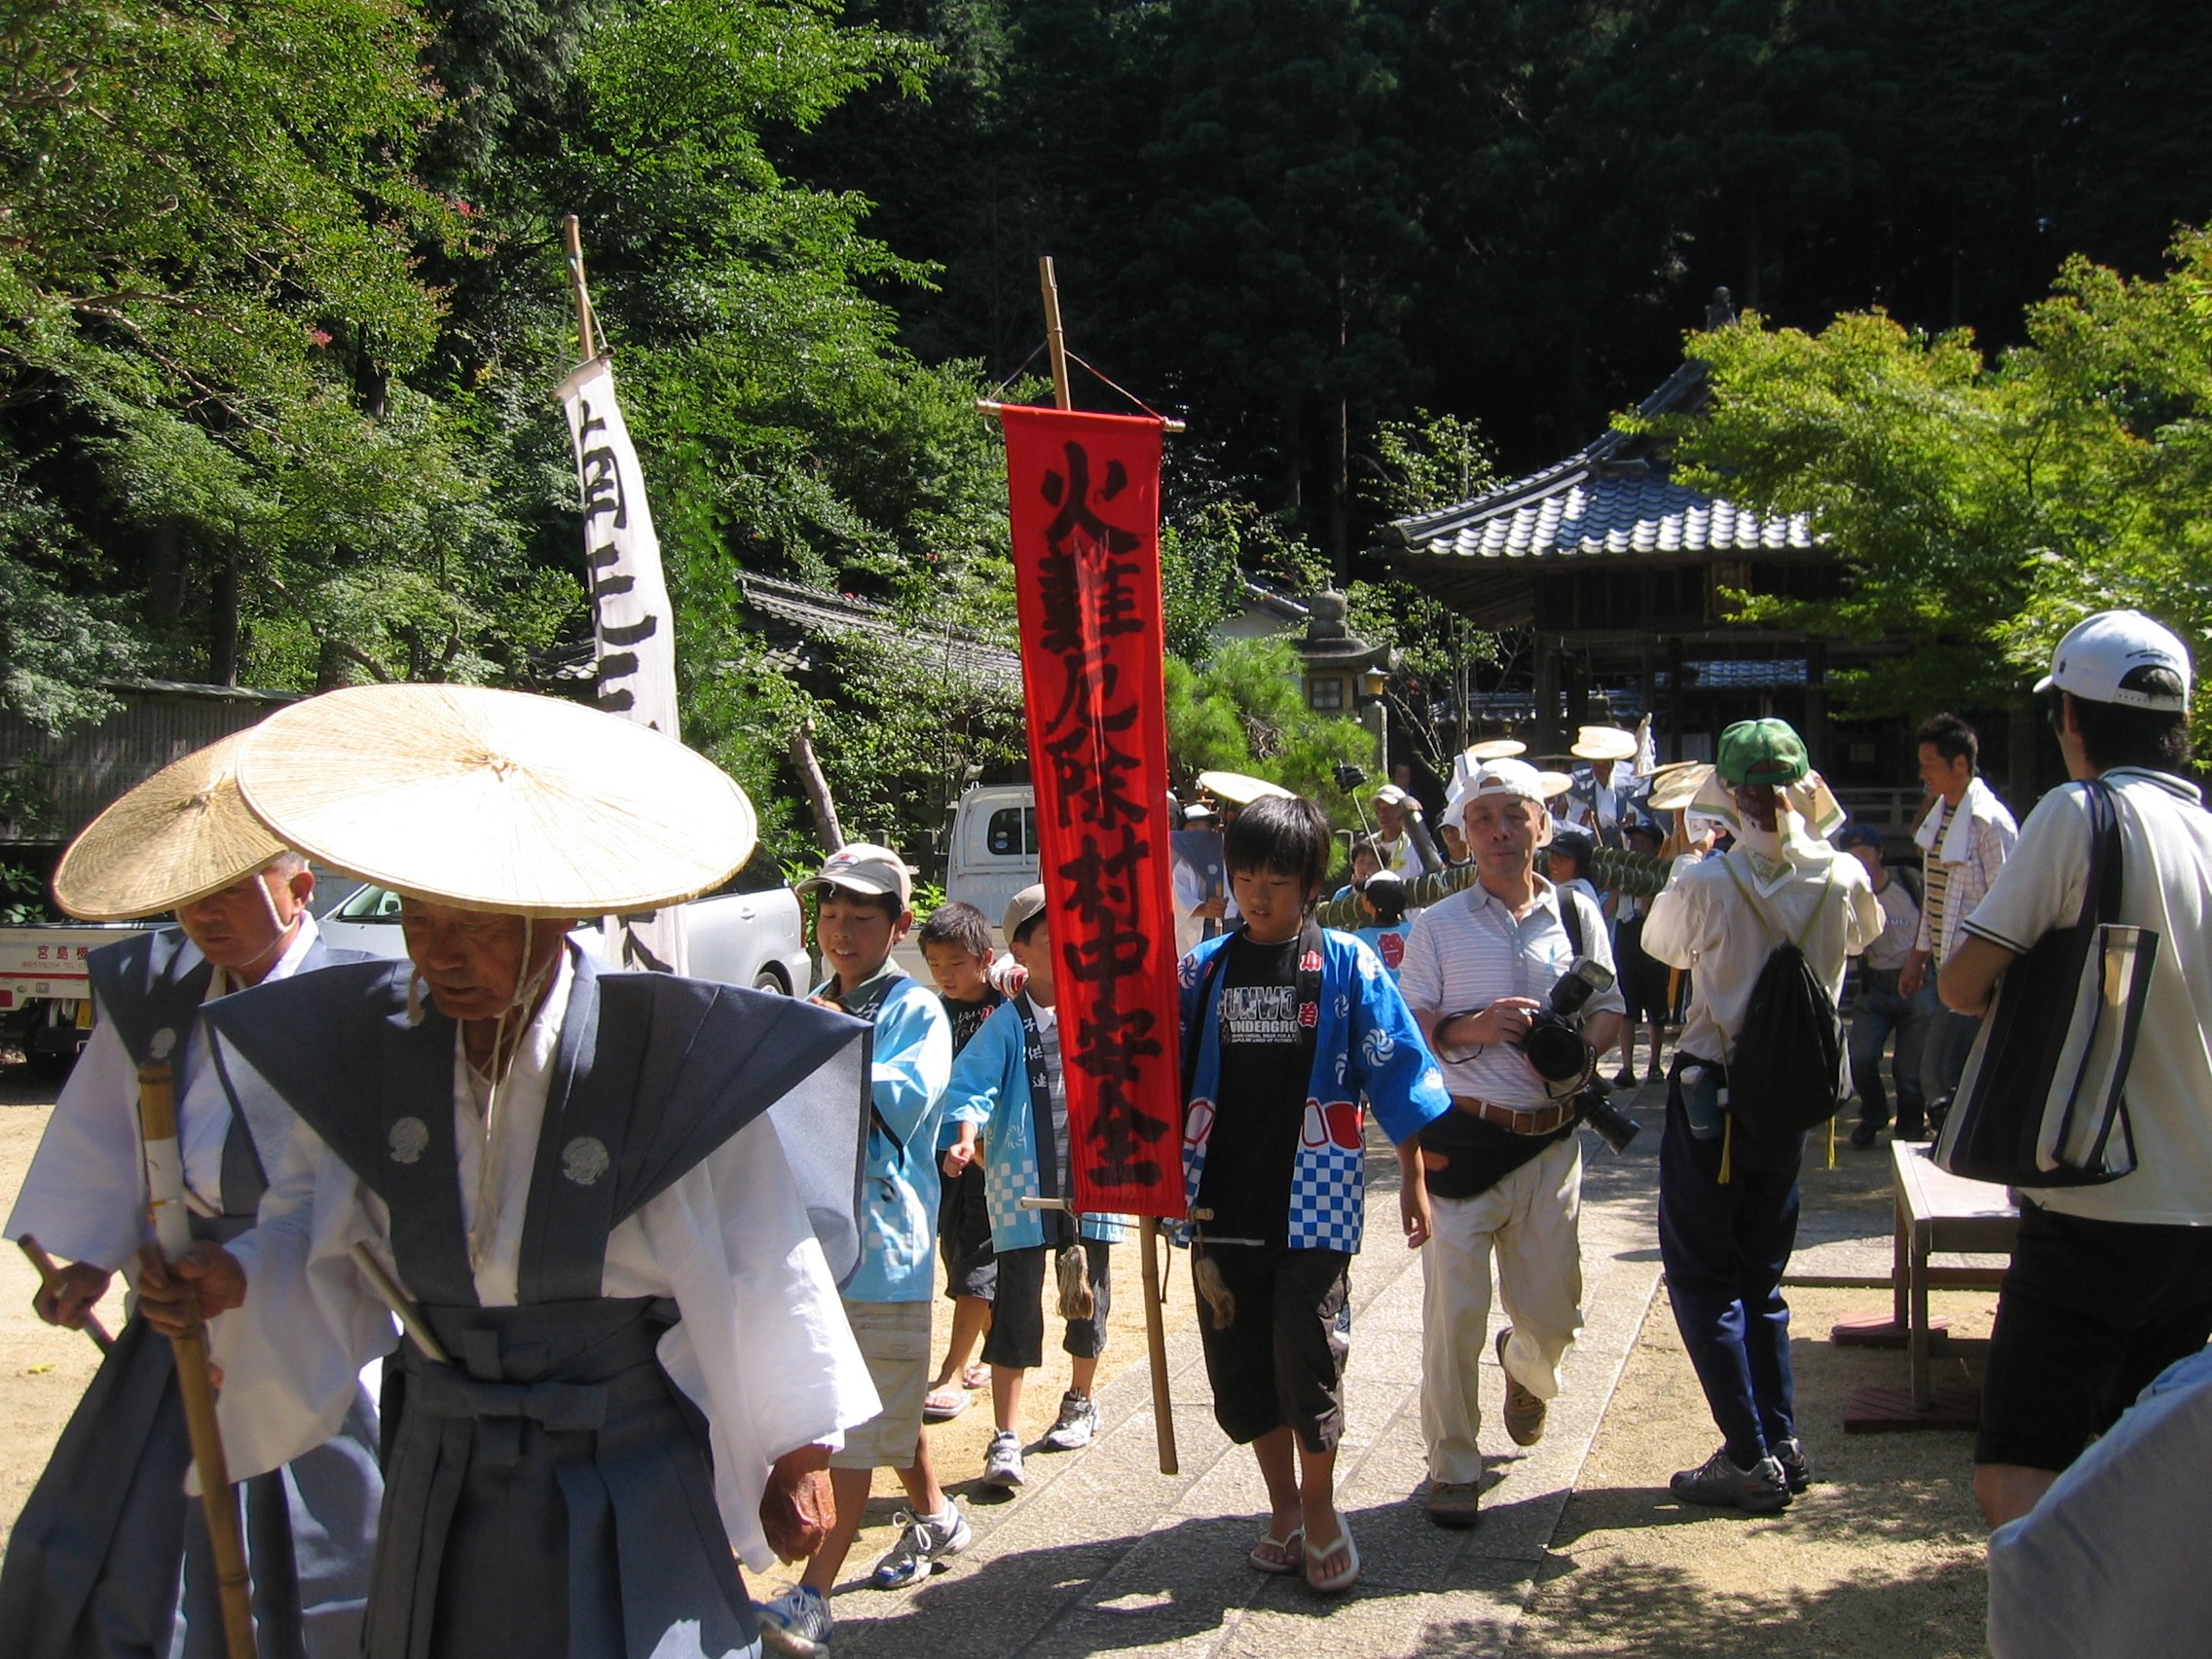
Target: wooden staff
[(172, 1230), (1155, 1330), (47, 1273)]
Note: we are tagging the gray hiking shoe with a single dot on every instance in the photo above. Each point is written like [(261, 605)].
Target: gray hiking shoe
[(795, 1623), (1002, 1463), (1076, 1426), (1795, 1469), (1760, 1489), (922, 1544)]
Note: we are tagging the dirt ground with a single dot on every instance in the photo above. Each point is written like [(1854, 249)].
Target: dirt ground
[(1882, 1558)]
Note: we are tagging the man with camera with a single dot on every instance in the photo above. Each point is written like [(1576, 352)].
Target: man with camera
[(1512, 982), (1728, 1196)]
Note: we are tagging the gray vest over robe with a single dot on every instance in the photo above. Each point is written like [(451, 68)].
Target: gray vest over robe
[(92, 1565), (549, 1492)]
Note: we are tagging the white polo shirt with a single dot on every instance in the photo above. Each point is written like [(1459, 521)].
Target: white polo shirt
[(2165, 886), (1703, 922), (1468, 950)]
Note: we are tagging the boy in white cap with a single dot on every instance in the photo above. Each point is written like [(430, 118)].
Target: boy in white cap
[(863, 896), (2111, 1283)]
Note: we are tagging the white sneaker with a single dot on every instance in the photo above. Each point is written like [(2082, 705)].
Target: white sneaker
[(1076, 1426), (797, 1623), (1002, 1463), (922, 1544)]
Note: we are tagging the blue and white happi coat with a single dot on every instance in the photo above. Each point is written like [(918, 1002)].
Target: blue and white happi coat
[(1367, 1051), (990, 1088)]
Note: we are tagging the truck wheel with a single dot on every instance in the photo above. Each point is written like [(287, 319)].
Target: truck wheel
[(45, 1063)]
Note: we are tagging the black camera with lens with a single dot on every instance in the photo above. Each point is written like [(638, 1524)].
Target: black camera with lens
[(1560, 1054), (1614, 1126), (1555, 1046)]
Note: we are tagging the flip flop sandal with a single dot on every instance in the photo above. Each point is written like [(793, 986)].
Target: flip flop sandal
[(1280, 1555), (942, 1404), (976, 1376), (1337, 1583)]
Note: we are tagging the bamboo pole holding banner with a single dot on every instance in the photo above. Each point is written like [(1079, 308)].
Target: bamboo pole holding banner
[(571, 235), (172, 1230), (1148, 1226)]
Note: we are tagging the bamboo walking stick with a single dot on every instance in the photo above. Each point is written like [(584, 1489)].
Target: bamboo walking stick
[(172, 1230), (47, 1273)]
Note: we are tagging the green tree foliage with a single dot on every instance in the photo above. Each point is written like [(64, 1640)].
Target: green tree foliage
[(1982, 507), (207, 275), (1243, 711)]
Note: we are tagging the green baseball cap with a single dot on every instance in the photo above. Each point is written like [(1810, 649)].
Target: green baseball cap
[(1762, 751)]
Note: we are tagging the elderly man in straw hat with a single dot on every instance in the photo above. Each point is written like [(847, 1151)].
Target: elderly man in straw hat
[(610, 1209), (1604, 790), (93, 1563)]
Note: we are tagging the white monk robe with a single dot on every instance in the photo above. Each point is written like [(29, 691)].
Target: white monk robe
[(93, 1563), (763, 1348), (83, 1197)]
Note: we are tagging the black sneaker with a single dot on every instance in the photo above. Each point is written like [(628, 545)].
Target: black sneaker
[(1625, 1078), (1862, 1134), (1910, 1127), (1760, 1489), (1790, 1455)]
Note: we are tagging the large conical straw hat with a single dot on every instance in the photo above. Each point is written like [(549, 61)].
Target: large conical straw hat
[(496, 800), (1238, 790), (1605, 743), (1677, 786), (181, 835), (1496, 748)]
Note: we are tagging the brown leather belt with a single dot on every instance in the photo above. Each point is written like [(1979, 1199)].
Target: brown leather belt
[(1532, 1121)]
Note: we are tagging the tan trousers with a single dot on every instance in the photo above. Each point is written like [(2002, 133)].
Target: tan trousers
[(1528, 1221)]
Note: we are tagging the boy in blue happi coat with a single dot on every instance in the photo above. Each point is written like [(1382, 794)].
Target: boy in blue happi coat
[(863, 893), (1009, 1102), (1287, 1028)]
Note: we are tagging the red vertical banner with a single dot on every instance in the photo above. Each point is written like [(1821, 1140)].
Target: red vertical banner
[(1084, 491)]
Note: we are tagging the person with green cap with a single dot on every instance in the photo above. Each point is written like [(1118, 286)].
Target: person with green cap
[(1728, 1199)]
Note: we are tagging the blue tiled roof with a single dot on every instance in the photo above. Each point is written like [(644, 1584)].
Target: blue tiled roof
[(1613, 498), (1589, 507)]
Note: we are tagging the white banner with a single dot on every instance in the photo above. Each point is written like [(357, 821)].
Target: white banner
[(632, 619)]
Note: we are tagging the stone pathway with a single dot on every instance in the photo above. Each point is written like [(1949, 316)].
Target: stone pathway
[(1103, 1553)]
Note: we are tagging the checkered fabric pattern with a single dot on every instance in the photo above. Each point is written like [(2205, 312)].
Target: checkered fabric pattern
[(1325, 1194), (1004, 1185)]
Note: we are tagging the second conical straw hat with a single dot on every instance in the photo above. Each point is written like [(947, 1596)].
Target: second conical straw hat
[(1238, 790), (179, 835), (496, 800)]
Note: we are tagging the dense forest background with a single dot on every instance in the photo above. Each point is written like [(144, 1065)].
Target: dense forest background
[(282, 300)]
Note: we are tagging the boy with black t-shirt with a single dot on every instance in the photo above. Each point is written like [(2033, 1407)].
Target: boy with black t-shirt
[(956, 943), (1285, 1025)]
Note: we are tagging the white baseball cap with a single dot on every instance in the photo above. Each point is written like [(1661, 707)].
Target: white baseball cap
[(1507, 777), (861, 867), (2098, 654), (1390, 794), (1023, 905)]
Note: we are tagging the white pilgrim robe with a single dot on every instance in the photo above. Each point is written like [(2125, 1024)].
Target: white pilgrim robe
[(83, 1197), (763, 1348)]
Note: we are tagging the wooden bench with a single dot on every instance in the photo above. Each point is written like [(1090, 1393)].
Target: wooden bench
[(1936, 1213)]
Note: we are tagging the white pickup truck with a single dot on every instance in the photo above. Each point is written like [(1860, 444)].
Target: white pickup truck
[(748, 931)]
